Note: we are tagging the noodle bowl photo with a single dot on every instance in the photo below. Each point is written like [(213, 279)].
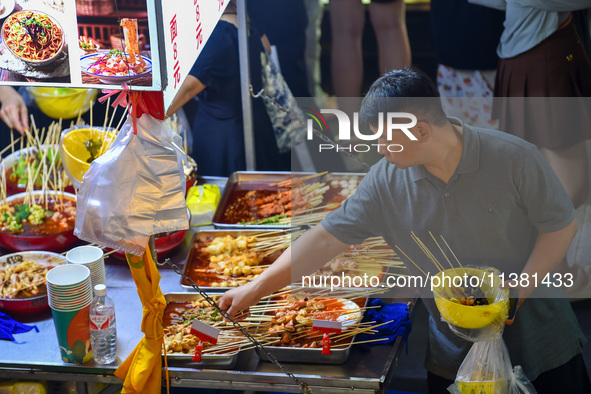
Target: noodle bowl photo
[(32, 36)]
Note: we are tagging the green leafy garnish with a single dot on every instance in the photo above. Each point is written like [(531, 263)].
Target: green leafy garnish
[(93, 147), (21, 212), (276, 220)]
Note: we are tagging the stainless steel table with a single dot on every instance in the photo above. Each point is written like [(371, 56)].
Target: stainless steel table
[(36, 356)]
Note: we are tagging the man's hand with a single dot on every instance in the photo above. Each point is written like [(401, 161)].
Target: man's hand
[(547, 253), (520, 299), (239, 299), (14, 111)]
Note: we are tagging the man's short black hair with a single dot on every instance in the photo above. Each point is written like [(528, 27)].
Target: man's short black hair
[(410, 90)]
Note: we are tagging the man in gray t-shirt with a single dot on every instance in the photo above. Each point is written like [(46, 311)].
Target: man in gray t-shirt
[(491, 195)]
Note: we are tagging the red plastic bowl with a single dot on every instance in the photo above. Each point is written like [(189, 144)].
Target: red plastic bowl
[(33, 304), (9, 160), (164, 245), (54, 243)]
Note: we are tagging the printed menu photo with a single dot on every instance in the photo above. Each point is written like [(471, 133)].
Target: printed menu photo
[(33, 44), (114, 42)]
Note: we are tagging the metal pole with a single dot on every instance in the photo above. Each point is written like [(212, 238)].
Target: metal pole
[(245, 85)]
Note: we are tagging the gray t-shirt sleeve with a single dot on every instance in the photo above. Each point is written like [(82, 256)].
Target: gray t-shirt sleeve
[(357, 218), (548, 206)]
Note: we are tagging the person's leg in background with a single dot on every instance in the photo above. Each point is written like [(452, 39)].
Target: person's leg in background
[(347, 18), (388, 19)]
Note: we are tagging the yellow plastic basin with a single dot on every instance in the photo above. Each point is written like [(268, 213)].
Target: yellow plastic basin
[(75, 153), (63, 103), (471, 316)]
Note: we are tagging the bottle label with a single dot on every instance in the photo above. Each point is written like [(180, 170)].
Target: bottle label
[(100, 322)]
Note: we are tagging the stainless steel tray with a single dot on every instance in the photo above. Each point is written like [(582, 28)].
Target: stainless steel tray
[(223, 361), (307, 355), (299, 355), (334, 192), (250, 180), (214, 233)]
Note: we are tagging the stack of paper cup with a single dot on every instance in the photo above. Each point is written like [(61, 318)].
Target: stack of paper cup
[(92, 258), (69, 295)]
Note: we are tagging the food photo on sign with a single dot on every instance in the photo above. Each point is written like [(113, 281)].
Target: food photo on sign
[(117, 52), (34, 45)]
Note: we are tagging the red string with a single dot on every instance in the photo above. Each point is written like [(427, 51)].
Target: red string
[(141, 102)]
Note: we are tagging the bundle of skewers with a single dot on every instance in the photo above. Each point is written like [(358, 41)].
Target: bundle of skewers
[(279, 203), (234, 258), (36, 164), (39, 168), (462, 291), (372, 257), (286, 319), (177, 329)]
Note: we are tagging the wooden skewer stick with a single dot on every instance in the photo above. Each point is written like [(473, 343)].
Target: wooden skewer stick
[(360, 342), (122, 118), (12, 143), (106, 113)]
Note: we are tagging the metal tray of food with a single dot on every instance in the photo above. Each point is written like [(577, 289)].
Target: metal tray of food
[(197, 263), (342, 185), (233, 214), (312, 355), (224, 361), (239, 183)]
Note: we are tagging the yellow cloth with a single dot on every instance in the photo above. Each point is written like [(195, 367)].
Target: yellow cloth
[(142, 370)]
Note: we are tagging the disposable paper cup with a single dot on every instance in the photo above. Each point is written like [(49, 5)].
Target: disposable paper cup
[(84, 255), (67, 276), (73, 334), (92, 258), (68, 287)]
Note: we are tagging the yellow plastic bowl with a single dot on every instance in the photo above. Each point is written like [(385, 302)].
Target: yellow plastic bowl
[(475, 316), (63, 103), (74, 148)]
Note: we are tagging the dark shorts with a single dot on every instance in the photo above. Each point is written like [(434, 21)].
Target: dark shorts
[(569, 378)]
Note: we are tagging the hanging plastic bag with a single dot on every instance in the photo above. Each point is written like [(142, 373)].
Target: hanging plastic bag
[(475, 308), (487, 370), (286, 117), (135, 190)]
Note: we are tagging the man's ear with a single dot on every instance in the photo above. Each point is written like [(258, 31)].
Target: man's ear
[(422, 131)]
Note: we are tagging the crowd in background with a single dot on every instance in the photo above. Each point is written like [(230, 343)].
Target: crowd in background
[(484, 49)]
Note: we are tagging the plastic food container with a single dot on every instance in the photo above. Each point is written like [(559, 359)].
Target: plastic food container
[(63, 103), (471, 316)]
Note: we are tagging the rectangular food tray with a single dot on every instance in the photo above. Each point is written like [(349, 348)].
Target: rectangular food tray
[(223, 361), (249, 180), (205, 234), (307, 355)]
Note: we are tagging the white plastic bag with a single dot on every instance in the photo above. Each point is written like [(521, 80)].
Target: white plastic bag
[(487, 370), (475, 308), (134, 190)]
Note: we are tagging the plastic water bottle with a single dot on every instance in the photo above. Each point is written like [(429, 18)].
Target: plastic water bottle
[(103, 333)]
